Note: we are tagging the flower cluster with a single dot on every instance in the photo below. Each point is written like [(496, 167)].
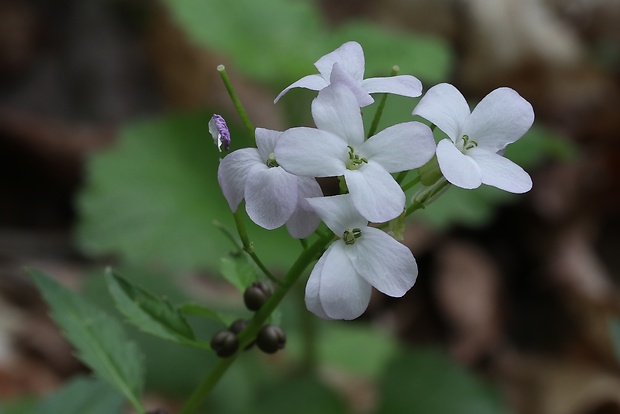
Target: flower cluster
[(277, 179)]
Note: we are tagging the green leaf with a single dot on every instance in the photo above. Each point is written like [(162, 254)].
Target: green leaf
[(427, 381), (338, 344), (239, 269), (154, 196), (150, 313), (98, 338), (198, 310), (83, 396), (268, 40), (277, 41), (299, 395)]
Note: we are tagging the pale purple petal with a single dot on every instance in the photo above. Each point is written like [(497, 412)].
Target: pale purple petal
[(375, 193), (304, 220), (311, 152), (501, 117), (219, 132), (266, 141), (400, 147), (385, 263), (445, 107), (342, 292), (313, 302), (404, 85), (459, 169), (500, 172), (232, 174), (270, 196), (336, 110), (340, 77), (338, 213), (350, 56), (312, 82)]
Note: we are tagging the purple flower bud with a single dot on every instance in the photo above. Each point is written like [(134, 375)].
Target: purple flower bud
[(219, 131)]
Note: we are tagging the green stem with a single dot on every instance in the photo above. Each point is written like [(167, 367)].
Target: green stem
[(248, 247), (308, 323), (260, 317), (375, 121), (411, 183), (236, 101), (427, 195), (401, 176)]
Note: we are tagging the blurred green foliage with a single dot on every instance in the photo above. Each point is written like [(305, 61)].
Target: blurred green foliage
[(277, 41)]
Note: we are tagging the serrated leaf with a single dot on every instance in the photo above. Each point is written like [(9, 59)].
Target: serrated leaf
[(199, 310), (154, 196), (239, 269), (427, 381), (150, 313), (98, 338), (83, 396)]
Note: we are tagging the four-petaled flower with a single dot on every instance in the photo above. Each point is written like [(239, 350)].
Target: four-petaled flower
[(338, 148), (346, 65), (471, 156), (340, 284), (273, 197)]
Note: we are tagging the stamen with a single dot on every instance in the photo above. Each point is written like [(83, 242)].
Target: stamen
[(350, 235), (355, 161), (271, 161)]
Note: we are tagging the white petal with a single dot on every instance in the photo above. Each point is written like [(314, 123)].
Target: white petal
[(338, 213), (304, 220), (350, 56), (311, 152), (405, 85), (339, 76), (385, 263), (375, 193), (313, 302), (459, 169), (445, 107), (336, 110), (270, 196), (400, 147), (232, 174), (342, 292), (500, 172), (500, 118), (266, 141), (312, 82)]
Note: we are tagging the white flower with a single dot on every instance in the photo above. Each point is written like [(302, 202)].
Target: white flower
[(472, 154), (273, 197), (337, 148), (340, 284), (219, 132), (346, 65)]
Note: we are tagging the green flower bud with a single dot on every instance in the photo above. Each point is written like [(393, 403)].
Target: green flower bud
[(256, 295), (270, 339)]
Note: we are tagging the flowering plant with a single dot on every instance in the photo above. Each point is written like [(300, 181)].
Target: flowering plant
[(285, 179)]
